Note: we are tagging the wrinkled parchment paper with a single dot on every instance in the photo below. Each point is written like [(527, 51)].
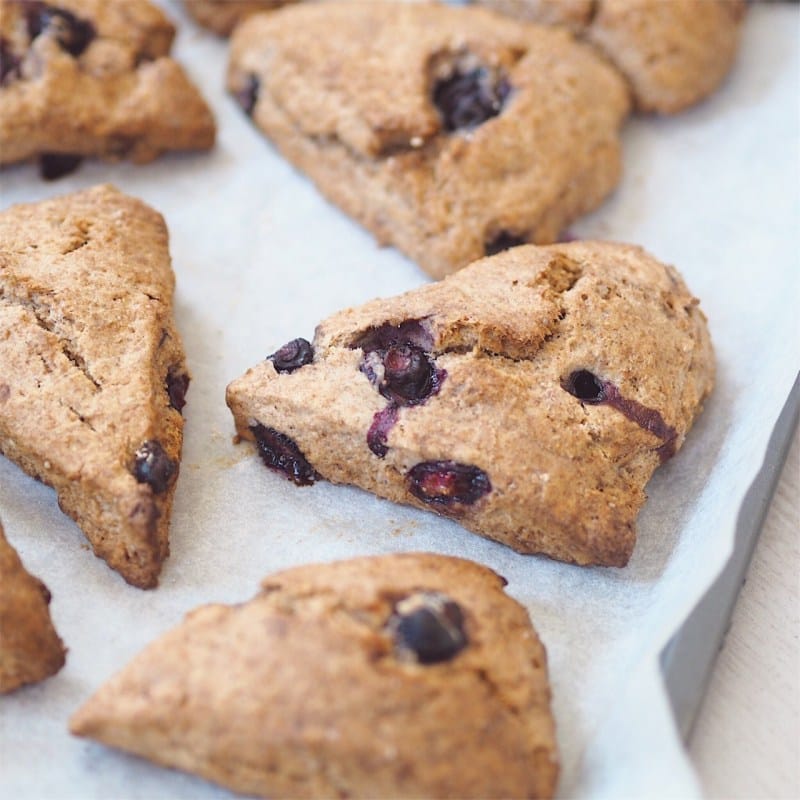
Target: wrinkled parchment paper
[(260, 258)]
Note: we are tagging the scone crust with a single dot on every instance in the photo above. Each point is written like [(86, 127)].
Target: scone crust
[(30, 648), (363, 126), (567, 478), (222, 16), (301, 693), (87, 350), (121, 97), (673, 53)]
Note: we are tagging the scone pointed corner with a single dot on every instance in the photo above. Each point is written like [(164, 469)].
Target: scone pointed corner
[(92, 370), (529, 396), (30, 648)]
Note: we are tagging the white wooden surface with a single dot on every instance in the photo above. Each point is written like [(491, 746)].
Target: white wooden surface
[(746, 743)]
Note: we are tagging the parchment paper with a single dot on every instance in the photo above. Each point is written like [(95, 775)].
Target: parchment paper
[(260, 258)]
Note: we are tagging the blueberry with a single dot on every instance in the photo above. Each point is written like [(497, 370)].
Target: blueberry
[(247, 96), (378, 433), (9, 62), (154, 467), (430, 625), (503, 241), (467, 99), (292, 355), (72, 33), (177, 384), (280, 453), (56, 165), (409, 376), (586, 386), (447, 482)]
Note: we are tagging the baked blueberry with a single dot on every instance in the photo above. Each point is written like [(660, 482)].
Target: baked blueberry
[(281, 453), (247, 96), (177, 385), (503, 241), (447, 482), (467, 99), (292, 355), (586, 386), (56, 165), (71, 32), (430, 625), (153, 466)]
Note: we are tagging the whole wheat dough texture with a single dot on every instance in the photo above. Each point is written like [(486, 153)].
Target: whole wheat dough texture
[(530, 396), (92, 371), (409, 675), (448, 132)]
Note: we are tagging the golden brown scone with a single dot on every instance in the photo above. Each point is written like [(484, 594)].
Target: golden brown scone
[(529, 396), (222, 16), (92, 372), (447, 132), (673, 53), (408, 675), (93, 78), (30, 648)]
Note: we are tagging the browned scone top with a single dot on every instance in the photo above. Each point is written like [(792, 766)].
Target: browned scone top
[(410, 675), (673, 53), (92, 372), (448, 132), (94, 78), (222, 16), (30, 648), (529, 396)]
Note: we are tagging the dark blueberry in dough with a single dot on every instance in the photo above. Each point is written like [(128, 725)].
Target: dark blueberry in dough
[(411, 332), (71, 32), (467, 99), (9, 63), (408, 375), (430, 625), (247, 96), (56, 165), (177, 384), (447, 482), (503, 241), (292, 355), (280, 453), (586, 386), (153, 466)]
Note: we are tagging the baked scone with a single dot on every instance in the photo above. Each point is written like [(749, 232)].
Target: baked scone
[(448, 132), (673, 53), (410, 675), (222, 16), (92, 372), (30, 648), (529, 396), (93, 78)]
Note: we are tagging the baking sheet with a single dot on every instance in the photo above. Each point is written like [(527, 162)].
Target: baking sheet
[(260, 258)]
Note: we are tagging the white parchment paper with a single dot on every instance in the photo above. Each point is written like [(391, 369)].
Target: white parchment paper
[(260, 258)]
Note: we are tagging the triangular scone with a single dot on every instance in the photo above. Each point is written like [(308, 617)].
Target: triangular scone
[(448, 132), (529, 396), (30, 648), (673, 53), (410, 675), (92, 373), (93, 78)]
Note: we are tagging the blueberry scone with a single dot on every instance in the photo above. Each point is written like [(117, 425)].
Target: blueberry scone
[(448, 132), (93, 78), (92, 372), (529, 396), (673, 53), (222, 16), (410, 675), (30, 648)]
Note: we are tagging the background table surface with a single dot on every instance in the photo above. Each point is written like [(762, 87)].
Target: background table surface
[(746, 742)]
